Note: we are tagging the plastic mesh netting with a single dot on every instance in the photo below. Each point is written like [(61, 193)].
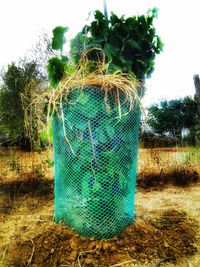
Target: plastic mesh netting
[(95, 155)]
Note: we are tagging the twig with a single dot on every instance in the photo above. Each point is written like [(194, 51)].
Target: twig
[(32, 254), (119, 105), (4, 253), (122, 263), (64, 132), (92, 141), (161, 261), (67, 265), (82, 253)]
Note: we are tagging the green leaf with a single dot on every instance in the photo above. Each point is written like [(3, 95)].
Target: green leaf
[(82, 99), (98, 15), (160, 44), (109, 51), (155, 12), (87, 104), (110, 131), (96, 187), (58, 38), (134, 44), (76, 145), (55, 71), (69, 70), (101, 135), (114, 19), (86, 150), (46, 134), (85, 189), (76, 119), (64, 59)]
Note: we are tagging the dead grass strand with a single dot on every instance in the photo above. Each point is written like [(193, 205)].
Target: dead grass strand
[(116, 83)]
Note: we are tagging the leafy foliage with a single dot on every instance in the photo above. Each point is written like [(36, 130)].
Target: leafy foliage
[(130, 44)]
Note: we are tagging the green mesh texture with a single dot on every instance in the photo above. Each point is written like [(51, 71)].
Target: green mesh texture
[(95, 178)]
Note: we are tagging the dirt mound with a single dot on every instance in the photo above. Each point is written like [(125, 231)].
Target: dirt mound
[(169, 237), (178, 177)]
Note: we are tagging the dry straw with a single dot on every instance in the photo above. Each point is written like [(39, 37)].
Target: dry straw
[(82, 78)]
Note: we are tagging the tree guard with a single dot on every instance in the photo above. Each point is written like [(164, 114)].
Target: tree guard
[(95, 154)]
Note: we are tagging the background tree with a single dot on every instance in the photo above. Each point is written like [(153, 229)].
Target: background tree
[(14, 82), (41, 52), (197, 98), (170, 117)]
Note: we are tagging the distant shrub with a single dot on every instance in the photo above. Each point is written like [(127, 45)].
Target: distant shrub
[(151, 140)]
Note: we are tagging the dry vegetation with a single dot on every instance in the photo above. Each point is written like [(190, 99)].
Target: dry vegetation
[(165, 232)]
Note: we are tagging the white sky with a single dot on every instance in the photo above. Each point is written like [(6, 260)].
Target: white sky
[(178, 24)]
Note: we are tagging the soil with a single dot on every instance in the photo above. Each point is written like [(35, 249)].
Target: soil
[(166, 230), (144, 241), (180, 177)]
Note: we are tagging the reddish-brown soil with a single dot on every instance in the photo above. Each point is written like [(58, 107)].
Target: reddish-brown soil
[(165, 232), (169, 237)]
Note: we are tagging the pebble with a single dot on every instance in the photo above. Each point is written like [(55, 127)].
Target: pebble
[(88, 261), (72, 257), (105, 246), (113, 249)]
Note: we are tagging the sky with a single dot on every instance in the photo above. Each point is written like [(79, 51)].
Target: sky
[(178, 25)]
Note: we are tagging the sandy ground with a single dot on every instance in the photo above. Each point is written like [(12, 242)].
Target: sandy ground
[(188, 200), (25, 213), (148, 205)]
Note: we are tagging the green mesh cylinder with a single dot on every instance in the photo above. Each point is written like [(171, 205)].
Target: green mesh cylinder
[(95, 155)]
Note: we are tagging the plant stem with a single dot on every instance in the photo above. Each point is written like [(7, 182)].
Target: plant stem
[(92, 141)]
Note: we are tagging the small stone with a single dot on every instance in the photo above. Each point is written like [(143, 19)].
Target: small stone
[(142, 255), (133, 248), (105, 246), (166, 244), (120, 243), (72, 257), (92, 245), (52, 251), (88, 261), (113, 249), (74, 243), (99, 246)]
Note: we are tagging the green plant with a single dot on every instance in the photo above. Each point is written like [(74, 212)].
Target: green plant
[(130, 45), (56, 65), (14, 164), (49, 162)]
